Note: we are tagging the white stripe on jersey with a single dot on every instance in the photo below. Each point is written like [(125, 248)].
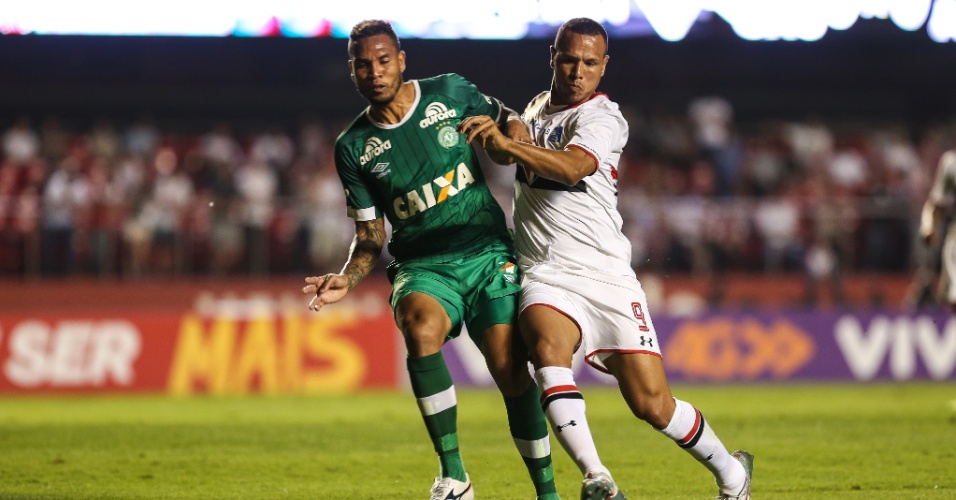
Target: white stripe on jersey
[(577, 226)]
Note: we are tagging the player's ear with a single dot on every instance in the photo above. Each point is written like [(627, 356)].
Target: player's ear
[(553, 52), (401, 61), (604, 66), (351, 70)]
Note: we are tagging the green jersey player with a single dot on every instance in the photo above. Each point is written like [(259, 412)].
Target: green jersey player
[(403, 159)]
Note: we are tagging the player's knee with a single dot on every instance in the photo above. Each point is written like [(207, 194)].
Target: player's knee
[(550, 352), (653, 408), (423, 335), (510, 376)]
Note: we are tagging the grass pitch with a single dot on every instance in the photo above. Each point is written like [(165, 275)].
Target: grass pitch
[(860, 441)]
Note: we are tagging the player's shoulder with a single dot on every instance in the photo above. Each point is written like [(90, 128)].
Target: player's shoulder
[(946, 168), (352, 132), (536, 104), (599, 107), (442, 84), (948, 160), (600, 103)]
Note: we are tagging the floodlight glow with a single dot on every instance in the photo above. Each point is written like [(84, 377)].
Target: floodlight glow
[(942, 23), (875, 9), (557, 11), (670, 20), (910, 15), (801, 23), (507, 19), (842, 14)]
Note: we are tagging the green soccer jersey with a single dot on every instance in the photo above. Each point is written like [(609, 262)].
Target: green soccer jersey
[(422, 174)]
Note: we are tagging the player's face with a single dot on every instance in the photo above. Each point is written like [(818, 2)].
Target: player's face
[(377, 67), (578, 62)]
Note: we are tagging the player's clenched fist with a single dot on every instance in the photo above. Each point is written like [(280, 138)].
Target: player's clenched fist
[(484, 131)]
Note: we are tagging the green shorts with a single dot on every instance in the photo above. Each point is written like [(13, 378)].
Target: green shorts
[(477, 290)]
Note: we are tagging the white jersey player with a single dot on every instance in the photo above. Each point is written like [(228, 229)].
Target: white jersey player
[(576, 226), (578, 289), (942, 199), (568, 237)]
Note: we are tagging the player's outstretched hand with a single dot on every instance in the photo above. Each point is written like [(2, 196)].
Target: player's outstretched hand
[(325, 289)]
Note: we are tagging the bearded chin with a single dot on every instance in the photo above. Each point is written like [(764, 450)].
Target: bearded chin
[(382, 101), (379, 100)]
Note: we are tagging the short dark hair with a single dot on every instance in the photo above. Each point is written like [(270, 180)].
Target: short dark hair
[(372, 27), (582, 26)]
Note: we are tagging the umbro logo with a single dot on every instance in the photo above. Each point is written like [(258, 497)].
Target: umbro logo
[(380, 170)]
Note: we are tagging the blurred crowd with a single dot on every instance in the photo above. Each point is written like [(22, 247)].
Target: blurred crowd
[(700, 193), (143, 200)]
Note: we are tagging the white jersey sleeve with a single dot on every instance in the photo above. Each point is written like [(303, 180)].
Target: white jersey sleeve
[(574, 226), (944, 185)]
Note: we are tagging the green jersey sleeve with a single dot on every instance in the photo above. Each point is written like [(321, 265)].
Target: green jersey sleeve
[(359, 199)]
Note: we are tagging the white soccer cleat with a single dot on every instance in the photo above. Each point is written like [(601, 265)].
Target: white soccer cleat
[(600, 486), (747, 460), (446, 488)]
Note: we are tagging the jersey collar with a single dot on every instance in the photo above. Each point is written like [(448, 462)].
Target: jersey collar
[(408, 115)]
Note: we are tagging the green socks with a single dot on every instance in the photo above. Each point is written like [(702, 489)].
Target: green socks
[(529, 429), (433, 388)]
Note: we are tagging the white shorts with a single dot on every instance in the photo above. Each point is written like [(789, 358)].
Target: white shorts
[(610, 311)]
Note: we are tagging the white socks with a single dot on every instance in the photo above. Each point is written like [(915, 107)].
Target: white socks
[(691, 432), (564, 406)]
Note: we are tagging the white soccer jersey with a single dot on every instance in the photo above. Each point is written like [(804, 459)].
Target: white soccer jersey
[(942, 194), (575, 226), (944, 185)]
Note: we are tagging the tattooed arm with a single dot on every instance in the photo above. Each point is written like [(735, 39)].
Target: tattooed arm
[(364, 253)]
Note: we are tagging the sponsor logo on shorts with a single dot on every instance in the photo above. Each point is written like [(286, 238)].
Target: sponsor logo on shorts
[(509, 272)]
